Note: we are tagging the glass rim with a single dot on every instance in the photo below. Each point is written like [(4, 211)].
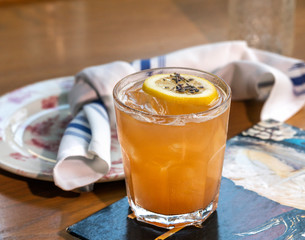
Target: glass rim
[(120, 103)]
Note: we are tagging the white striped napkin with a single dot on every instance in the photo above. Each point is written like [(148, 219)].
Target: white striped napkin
[(84, 152), (84, 158)]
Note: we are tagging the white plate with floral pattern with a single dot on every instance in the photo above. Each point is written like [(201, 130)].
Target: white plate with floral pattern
[(32, 122)]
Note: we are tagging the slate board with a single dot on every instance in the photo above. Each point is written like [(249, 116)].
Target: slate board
[(241, 214)]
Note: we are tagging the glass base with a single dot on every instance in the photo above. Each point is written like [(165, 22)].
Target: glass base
[(173, 221)]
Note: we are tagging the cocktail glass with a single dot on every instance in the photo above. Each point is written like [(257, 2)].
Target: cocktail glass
[(172, 163)]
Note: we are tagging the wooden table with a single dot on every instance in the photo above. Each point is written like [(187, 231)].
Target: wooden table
[(46, 39)]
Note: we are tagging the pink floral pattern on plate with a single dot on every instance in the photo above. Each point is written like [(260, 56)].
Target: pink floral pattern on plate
[(49, 102), (18, 156), (18, 96), (46, 134)]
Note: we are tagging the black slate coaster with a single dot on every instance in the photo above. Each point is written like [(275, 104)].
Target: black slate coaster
[(241, 214)]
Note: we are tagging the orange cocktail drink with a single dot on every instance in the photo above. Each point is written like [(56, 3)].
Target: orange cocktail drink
[(172, 150)]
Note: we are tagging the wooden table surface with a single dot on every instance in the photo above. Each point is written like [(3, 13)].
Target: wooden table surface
[(45, 39)]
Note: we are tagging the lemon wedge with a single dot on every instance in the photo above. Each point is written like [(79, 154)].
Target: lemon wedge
[(181, 88)]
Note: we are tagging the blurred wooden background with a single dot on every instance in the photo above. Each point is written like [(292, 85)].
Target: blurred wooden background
[(44, 39)]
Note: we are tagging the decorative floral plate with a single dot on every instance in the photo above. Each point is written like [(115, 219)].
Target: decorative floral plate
[(32, 122)]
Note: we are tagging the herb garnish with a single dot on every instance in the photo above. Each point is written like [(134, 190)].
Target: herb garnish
[(182, 84)]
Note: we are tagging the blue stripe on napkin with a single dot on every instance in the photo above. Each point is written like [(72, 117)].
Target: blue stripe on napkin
[(145, 64), (80, 127), (297, 65), (297, 81), (75, 134), (298, 92)]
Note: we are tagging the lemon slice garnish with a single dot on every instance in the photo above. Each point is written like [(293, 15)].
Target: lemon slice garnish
[(181, 88)]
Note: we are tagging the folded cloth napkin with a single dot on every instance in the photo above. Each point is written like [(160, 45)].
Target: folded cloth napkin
[(251, 73), (84, 152)]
